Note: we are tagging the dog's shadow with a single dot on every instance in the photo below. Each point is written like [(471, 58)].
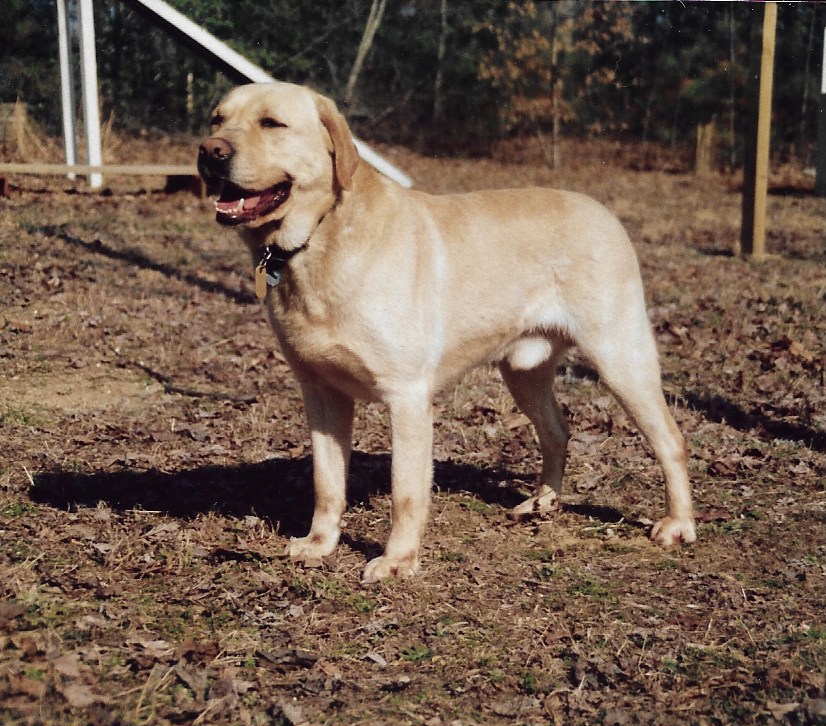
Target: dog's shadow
[(278, 490)]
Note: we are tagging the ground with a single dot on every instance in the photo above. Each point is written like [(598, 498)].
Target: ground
[(154, 462)]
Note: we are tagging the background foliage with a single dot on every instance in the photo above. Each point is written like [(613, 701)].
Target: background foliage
[(644, 71)]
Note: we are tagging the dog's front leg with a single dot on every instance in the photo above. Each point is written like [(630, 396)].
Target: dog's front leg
[(411, 473), (330, 417)]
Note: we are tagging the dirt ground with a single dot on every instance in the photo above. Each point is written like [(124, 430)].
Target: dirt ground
[(154, 461)]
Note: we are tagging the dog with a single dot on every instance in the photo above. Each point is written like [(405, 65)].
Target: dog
[(385, 294)]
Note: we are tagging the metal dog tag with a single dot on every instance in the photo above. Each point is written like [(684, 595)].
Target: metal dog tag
[(261, 280)]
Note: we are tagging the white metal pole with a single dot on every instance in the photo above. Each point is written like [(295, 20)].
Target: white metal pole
[(381, 164), (207, 40), (823, 77), (89, 84), (66, 86), (820, 159)]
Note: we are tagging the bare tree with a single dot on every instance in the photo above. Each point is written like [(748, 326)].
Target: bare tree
[(556, 90), (438, 98), (801, 137), (370, 28)]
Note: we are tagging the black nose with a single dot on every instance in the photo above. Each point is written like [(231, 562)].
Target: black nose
[(214, 156), (215, 149)]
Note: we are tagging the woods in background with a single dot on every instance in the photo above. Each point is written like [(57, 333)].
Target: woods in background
[(454, 75)]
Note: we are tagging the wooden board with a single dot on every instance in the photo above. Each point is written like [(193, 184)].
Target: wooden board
[(107, 169)]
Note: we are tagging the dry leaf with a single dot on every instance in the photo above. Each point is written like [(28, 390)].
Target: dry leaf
[(780, 710), (26, 686), (10, 610), (293, 713), (518, 706), (67, 665), (81, 696)]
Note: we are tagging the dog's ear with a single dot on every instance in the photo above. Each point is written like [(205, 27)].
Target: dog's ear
[(345, 156)]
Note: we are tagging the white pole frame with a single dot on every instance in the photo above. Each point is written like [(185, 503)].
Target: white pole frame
[(67, 99), (823, 76), (820, 164), (89, 90)]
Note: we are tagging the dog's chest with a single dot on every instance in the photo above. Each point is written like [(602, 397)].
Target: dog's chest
[(321, 351)]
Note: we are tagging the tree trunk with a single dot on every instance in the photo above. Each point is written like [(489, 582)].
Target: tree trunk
[(556, 86), (675, 117), (438, 98), (370, 28), (804, 104)]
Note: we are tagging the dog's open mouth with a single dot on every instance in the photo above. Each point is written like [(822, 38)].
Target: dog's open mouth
[(237, 205)]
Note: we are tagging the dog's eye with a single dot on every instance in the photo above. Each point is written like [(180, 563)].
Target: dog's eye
[(268, 122), (216, 120)]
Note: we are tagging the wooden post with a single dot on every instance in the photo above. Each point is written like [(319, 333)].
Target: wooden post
[(704, 156), (756, 162)]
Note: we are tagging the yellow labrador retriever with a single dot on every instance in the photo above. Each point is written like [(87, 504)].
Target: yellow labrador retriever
[(385, 294)]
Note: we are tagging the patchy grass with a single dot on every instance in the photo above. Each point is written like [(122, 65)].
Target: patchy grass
[(155, 462)]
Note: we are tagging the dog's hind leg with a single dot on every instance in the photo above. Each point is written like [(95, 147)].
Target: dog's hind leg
[(531, 385), (628, 365)]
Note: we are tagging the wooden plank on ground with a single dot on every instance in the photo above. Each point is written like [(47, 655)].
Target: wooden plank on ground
[(109, 169)]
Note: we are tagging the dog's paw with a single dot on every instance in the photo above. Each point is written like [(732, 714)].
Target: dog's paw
[(545, 501), (310, 549), (672, 531), (383, 567)]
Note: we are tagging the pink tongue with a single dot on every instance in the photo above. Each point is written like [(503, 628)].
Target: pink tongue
[(252, 202)]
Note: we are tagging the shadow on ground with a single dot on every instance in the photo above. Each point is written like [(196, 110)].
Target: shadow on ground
[(278, 490)]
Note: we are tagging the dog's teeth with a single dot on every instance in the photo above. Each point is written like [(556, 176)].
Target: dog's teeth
[(235, 209)]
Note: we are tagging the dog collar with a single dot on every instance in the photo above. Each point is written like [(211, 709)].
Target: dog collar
[(270, 267)]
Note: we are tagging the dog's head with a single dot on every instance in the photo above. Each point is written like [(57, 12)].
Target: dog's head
[(278, 155)]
